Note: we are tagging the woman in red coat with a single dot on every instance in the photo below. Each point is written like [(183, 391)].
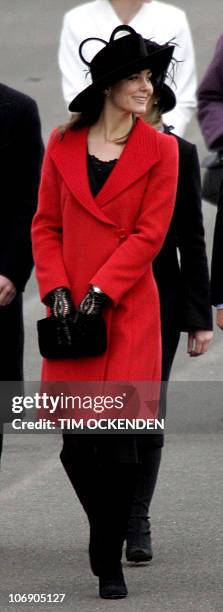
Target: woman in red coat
[(106, 199)]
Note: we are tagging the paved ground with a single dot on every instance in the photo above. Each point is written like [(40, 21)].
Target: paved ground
[(43, 530)]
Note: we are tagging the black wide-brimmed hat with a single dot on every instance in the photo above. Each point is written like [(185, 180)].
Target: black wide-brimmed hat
[(167, 99), (118, 59)]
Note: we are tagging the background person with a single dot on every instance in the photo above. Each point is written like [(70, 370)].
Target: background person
[(216, 263), (185, 306), (94, 241), (210, 117), (154, 20), (21, 151), (210, 101)]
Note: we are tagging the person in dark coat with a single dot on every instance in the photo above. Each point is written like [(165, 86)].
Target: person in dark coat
[(210, 101), (21, 151), (185, 306), (216, 263)]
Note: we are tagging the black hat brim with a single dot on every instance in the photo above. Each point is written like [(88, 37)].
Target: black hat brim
[(167, 100), (158, 62)]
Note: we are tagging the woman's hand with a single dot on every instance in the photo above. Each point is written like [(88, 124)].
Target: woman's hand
[(61, 306), (94, 302), (7, 291), (198, 342), (60, 302)]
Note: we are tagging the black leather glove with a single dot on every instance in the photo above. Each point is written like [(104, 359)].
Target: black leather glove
[(94, 302), (60, 302), (61, 306), (89, 322)]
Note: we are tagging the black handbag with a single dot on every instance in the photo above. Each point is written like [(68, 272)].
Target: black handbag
[(213, 177), (72, 337)]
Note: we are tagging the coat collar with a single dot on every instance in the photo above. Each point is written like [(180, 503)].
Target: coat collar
[(7, 95), (70, 156)]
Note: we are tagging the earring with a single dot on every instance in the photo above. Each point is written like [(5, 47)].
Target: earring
[(107, 92)]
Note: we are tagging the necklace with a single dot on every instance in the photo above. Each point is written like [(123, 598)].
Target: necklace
[(121, 139)]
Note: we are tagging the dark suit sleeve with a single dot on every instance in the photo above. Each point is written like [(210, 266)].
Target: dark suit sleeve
[(217, 255), (196, 308), (210, 101), (27, 152)]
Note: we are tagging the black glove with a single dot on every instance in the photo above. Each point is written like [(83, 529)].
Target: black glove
[(60, 302), (94, 302), (61, 306)]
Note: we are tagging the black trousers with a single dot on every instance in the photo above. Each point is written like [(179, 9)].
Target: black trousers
[(170, 341), (151, 444), (12, 344), (12, 340)]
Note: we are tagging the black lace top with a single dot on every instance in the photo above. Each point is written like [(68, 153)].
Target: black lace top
[(98, 172)]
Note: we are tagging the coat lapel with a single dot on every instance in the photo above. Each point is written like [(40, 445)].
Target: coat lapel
[(140, 153), (70, 156)]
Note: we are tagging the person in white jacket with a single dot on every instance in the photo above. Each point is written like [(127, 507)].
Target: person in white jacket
[(152, 19)]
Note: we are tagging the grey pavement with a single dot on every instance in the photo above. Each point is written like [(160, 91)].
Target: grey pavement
[(44, 533)]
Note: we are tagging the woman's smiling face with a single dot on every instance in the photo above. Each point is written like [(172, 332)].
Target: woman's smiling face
[(133, 93)]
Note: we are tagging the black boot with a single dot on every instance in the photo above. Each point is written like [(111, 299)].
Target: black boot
[(112, 584), (138, 540), (106, 492), (117, 490), (79, 460)]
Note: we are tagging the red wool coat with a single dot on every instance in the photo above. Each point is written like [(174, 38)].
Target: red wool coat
[(109, 241)]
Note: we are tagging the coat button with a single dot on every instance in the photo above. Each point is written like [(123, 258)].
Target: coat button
[(122, 233)]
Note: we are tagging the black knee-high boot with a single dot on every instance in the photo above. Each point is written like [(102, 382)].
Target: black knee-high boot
[(139, 546), (117, 485), (105, 490), (79, 460)]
